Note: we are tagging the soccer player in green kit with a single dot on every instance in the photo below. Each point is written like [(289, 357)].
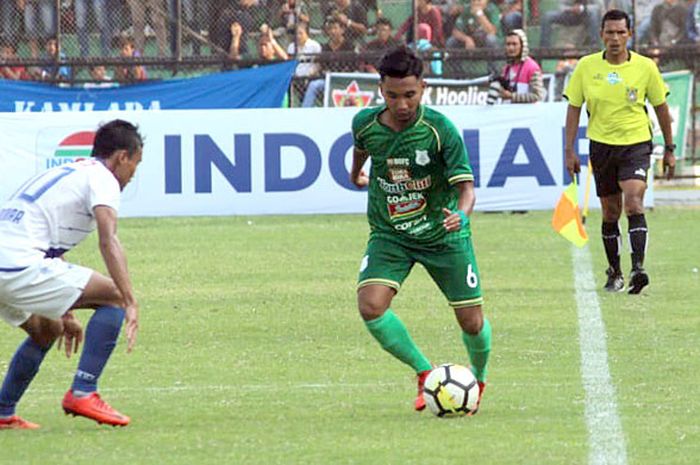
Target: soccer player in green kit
[(421, 194)]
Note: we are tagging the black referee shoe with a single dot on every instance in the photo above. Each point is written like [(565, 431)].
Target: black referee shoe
[(615, 283), (638, 280)]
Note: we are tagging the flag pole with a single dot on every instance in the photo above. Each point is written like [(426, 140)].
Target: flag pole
[(587, 192)]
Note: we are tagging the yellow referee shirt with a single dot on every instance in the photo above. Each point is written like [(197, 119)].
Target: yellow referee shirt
[(615, 97)]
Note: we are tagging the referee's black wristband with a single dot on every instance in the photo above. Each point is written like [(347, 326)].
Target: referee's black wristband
[(670, 147)]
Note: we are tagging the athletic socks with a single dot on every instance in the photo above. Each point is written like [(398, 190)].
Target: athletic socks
[(100, 339), (479, 348), (612, 243), (638, 239), (393, 336), (23, 367)]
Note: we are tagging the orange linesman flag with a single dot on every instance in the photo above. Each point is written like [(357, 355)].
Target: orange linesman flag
[(567, 220)]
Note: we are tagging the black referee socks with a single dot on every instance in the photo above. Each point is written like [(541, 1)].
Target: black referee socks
[(612, 244), (638, 239)]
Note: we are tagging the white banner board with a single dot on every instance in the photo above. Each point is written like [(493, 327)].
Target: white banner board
[(288, 161)]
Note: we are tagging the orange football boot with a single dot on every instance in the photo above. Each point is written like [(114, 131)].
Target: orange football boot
[(17, 422), (94, 408), (420, 402), (482, 386)]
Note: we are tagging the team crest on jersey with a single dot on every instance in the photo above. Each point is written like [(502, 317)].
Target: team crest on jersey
[(422, 157), (614, 78), (632, 94)]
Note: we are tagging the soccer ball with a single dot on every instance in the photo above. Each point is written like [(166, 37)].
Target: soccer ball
[(451, 390)]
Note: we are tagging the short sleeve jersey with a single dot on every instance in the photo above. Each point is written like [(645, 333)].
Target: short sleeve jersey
[(413, 174), (53, 212), (615, 97)]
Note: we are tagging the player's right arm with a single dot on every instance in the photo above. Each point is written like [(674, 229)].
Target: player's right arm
[(574, 93), (357, 175), (361, 122), (115, 260), (573, 163)]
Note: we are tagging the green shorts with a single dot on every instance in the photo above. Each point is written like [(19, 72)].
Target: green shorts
[(452, 266)]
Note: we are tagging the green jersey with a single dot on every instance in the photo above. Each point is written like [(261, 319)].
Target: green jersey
[(413, 174)]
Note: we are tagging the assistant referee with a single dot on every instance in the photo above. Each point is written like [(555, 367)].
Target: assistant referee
[(615, 85)]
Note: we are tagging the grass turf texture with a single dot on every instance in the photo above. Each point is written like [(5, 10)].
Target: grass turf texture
[(251, 351)]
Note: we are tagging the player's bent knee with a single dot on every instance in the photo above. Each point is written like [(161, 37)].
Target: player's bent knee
[(471, 319), (373, 302), (100, 290), (370, 310), (42, 330), (634, 206)]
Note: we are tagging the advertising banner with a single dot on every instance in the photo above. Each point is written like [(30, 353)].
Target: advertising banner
[(288, 161), (361, 90), (680, 98), (263, 87)]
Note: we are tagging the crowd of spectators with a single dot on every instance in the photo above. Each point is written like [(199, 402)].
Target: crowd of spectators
[(275, 29)]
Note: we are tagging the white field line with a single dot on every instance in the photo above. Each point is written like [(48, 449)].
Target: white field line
[(606, 439)]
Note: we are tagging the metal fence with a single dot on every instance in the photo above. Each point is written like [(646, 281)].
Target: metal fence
[(74, 41)]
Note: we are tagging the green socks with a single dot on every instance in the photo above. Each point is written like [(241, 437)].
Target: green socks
[(479, 347), (393, 336)]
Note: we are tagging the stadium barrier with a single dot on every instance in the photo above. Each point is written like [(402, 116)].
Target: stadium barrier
[(289, 161)]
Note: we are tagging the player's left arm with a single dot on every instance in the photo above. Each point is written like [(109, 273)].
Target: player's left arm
[(115, 260), (657, 92), (454, 221), (357, 175), (664, 116), (459, 175)]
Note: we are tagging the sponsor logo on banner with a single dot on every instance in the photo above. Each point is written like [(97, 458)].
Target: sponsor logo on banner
[(76, 145), (352, 96), (71, 147), (359, 90)]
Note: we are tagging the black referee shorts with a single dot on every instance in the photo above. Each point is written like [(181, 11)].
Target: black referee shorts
[(615, 163)]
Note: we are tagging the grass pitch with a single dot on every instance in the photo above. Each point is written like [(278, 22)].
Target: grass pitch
[(251, 351)]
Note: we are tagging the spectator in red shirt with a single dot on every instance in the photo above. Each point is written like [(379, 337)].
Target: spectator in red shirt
[(427, 14), (16, 73)]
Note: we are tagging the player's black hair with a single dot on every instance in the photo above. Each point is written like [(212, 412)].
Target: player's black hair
[(616, 15), (116, 135), (400, 62)]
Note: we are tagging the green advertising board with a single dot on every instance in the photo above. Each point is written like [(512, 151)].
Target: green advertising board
[(680, 87)]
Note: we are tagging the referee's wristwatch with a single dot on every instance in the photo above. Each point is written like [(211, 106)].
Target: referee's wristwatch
[(670, 147)]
